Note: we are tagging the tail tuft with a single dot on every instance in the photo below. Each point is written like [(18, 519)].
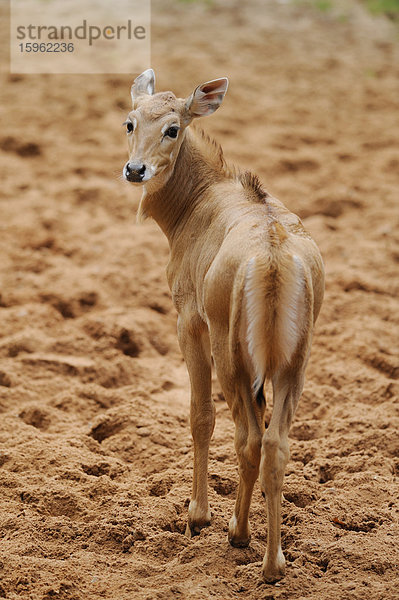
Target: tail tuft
[(274, 295)]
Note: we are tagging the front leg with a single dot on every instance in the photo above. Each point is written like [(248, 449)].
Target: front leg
[(195, 345)]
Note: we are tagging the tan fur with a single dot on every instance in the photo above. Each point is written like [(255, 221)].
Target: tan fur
[(274, 308), (247, 282)]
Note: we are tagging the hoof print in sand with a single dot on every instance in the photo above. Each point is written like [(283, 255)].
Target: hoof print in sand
[(5, 379), (97, 469), (36, 417), (71, 307), (223, 486), (127, 343), (106, 427), (160, 484), (305, 430), (24, 149), (300, 498), (384, 363), (63, 365)]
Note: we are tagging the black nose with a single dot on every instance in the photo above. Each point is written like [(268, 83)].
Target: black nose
[(134, 171)]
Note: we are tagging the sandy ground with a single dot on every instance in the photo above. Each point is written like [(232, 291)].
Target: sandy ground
[(95, 448)]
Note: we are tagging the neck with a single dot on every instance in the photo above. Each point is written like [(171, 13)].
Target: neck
[(194, 172)]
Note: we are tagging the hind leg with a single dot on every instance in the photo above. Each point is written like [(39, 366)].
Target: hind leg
[(287, 388), (248, 416)]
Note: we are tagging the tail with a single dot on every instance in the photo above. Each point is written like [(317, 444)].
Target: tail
[(274, 299)]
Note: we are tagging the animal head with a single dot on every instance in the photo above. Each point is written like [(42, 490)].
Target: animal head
[(156, 125)]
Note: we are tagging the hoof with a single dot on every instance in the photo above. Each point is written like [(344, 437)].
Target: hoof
[(192, 532), (274, 572), (273, 577), (188, 533), (193, 529), (239, 543)]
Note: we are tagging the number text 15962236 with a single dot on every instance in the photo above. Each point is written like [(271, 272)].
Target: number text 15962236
[(46, 47)]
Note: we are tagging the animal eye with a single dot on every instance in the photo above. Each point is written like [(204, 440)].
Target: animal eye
[(129, 127), (172, 131)]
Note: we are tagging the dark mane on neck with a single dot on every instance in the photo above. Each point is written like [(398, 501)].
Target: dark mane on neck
[(251, 183), (212, 152)]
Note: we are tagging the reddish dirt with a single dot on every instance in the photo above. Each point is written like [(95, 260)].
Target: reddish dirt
[(95, 448)]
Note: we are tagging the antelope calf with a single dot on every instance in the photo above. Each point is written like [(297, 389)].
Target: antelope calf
[(247, 281)]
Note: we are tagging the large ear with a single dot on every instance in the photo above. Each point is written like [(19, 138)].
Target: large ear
[(143, 84), (207, 97)]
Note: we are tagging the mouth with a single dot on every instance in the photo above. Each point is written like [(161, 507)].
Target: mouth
[(134, 179), (137, 173)]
